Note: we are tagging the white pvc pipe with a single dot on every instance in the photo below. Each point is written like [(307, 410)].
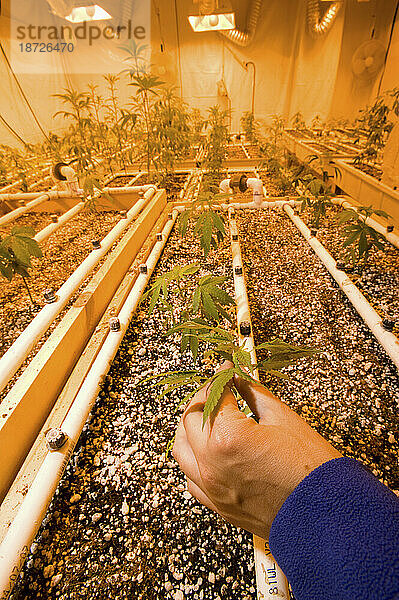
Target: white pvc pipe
[(246, 151), (52, 228), (18, 212), (391, 237), (20, 196), (256, 185), (267, 570), (388, 340), (72, 181), (224, 186), (21, 533), (15, 356)]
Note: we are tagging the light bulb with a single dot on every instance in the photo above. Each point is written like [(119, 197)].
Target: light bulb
[(90, 11), (214, 20)]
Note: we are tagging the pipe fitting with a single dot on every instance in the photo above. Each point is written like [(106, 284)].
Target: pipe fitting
[(388, 324), (240, 182), (55, 438), (114, 324), (256, 185), (96, 244), (64, 173), (49, 296), (143, 269), (238, 270), (245, 328)]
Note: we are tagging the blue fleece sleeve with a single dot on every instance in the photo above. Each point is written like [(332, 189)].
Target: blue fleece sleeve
[(336, 537)]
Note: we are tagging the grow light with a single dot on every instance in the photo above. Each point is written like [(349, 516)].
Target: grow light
[(79, 14), (215, 22)]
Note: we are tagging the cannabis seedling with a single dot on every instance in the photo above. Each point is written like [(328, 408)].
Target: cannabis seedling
[(223, 345), (16, 251), (317, 193), (209, 226)]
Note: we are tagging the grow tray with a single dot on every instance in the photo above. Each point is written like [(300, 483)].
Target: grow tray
[(121, 521), (367, 190)]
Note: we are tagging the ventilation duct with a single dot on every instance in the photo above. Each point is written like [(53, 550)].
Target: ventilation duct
[(61, 8), (244, 38), (318, 25)]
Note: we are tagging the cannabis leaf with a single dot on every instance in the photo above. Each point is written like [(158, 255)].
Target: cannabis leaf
[(160, 290), (210, 230), (209, 299), (358, 237), (209, 225), (93, 192), (223, 344), (16, 251)]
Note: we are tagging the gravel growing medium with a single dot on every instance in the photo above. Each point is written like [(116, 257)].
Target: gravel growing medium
[(122, 525), (350, 392), (121, 181), (379, 280), (173, 183), (235, 152), (63, 252)]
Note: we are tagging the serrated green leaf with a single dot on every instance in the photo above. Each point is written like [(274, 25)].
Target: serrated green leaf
[(216, 389)]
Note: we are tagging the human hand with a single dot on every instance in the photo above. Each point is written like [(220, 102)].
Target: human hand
[(245, 470)]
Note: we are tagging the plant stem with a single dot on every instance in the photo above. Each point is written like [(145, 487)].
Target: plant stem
[(27, 287)]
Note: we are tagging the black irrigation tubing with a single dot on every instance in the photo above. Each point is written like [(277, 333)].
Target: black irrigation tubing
[(22, 92)]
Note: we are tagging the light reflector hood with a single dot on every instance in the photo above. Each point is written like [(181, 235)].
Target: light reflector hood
[(79, 14), (215, 22)]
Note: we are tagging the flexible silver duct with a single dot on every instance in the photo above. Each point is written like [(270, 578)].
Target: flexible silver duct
[(61, 8), (244, 38), (207, 7), (318, 25)]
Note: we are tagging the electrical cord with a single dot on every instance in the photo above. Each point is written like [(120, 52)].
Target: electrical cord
[(22, 92), (179, 49), (388, 46), (8, 126)]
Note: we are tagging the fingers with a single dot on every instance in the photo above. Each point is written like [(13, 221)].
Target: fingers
[(259, 399), (184, 455), (198, 493), (197, 433)]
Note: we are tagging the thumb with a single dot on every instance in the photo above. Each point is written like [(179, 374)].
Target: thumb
[(260, 400), (227, 402)]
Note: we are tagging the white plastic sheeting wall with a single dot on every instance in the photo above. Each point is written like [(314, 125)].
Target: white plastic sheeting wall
[(294, 72)]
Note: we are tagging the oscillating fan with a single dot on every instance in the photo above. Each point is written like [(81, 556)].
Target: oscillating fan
[(368, 59)]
